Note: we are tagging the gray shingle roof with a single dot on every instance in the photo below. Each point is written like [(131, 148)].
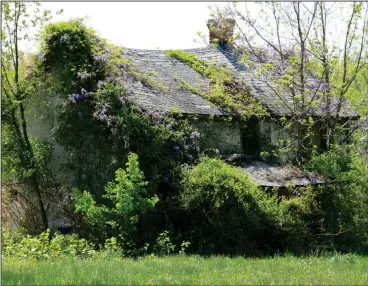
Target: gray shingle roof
[(170, 71), (280, 176)]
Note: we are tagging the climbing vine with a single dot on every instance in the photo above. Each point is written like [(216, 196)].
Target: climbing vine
[(80, 59), (99, 122)]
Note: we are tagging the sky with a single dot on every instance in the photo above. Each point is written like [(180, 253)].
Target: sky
[(146, 25), (140, 25)]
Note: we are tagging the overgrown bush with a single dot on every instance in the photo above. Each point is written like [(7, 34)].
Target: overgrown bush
[(229, 213), (348, 197), (45, 246), (127, 201)]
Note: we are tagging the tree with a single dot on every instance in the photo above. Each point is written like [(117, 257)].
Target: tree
[(293, 49), (23, 157), (289, 47)]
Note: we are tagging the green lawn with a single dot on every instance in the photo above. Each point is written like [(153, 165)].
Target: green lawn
[(336, 270)]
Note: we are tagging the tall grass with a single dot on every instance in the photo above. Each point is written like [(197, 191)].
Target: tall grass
[(335, 270)]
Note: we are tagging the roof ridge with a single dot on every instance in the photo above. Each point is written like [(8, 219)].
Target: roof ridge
[(163, 50)]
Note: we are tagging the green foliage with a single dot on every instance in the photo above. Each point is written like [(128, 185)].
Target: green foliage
[(103, 129), (128, 200), (68, 50), (99, 124), (349, 197), (26, 159), (330, 164), (225, 90), (14, 161), (129, 190), (305, 220), (78, 58), (163, 244), (187, 86), (19, 170), (229, 213), (45, 246), (184, 246)]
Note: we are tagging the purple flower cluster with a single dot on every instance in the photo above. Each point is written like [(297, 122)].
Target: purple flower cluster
[(324, 87), (102, 114), (101, 58), (74, 98), (120, 65), (110, 78), (308, 112), (105, 107), (289, 53), (324, 107), (191, 158)]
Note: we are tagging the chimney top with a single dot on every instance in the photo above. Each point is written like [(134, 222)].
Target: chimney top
[(221, 31)]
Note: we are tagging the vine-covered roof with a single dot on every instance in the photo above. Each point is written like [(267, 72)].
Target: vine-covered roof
[(170, 71)]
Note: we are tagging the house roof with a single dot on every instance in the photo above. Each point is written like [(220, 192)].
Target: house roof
[(280, 176), (170, 71)]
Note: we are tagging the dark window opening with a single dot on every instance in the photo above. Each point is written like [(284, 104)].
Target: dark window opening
[(250, 137)]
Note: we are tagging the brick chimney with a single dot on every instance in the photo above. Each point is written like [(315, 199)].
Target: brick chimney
[(221, 31)]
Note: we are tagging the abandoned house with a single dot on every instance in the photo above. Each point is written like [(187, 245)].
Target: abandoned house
[(232, 140), (227, 136)]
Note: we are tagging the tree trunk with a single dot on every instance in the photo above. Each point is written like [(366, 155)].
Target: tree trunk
[(41, 207)]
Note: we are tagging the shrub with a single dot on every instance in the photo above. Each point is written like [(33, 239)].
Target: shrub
[(347, 199), (164, 246), (229, 213), (45, 246), (127, 200)]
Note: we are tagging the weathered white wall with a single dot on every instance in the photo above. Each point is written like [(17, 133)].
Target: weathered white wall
[(274, 132), (41, 119), (222, 135)]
